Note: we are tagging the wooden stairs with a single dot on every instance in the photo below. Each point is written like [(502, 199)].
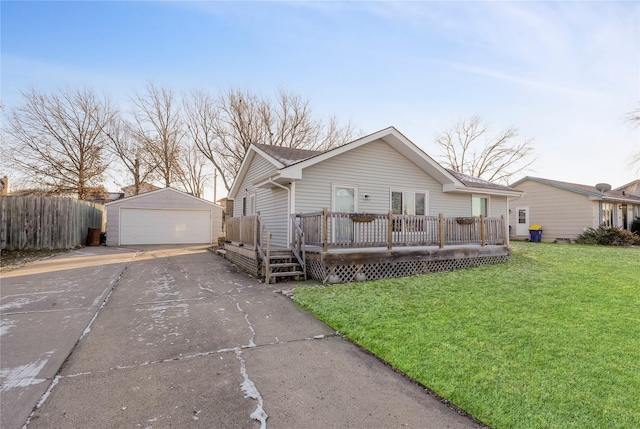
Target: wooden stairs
[(282, 264)]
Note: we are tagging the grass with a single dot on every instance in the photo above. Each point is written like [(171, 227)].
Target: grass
[(549, 340), (14, 259)]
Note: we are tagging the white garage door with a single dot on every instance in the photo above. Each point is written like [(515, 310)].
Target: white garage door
[(149, 226)]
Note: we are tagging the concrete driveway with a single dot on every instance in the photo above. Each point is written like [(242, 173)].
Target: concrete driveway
[(161, 337)]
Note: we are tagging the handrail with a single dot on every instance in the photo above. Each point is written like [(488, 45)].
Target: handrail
[(266, 257), (298, 247)]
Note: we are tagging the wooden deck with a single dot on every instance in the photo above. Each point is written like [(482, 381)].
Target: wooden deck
[(347, 247)]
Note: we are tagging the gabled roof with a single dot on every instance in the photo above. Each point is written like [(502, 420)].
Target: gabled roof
[(632, 188), (587, 190), (290, 164), (285, 155), (159, 191), (474, 182)]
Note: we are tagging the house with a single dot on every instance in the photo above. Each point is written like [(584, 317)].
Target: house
[(163, 216), (565, 209), (631, 188), (144, 187), (376, 207)]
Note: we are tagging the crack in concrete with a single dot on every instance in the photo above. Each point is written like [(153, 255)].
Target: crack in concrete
[(87, 329)]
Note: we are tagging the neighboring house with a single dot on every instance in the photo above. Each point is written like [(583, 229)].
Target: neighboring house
[(4, 186), (163, 216), (402, 191), (144, 187), (631, 188), (565, 209)]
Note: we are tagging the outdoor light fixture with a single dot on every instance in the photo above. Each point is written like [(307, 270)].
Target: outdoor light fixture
[(367, 197)]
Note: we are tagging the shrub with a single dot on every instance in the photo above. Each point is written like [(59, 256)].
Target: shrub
[(635, 226), (608, 236)]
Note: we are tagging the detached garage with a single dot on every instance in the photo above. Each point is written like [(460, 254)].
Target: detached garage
[(164, 216)]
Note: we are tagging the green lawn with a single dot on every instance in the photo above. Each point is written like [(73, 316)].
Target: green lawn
[(549, 340)]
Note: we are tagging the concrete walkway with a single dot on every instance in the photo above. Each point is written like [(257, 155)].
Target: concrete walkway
[(176, 337)]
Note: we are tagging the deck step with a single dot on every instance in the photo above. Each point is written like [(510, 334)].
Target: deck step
[(284, 265), (287, 274)]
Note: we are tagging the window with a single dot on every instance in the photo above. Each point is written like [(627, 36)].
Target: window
[(249, 205), (607, 214), (408, 203), (479, 206), (522, 216)]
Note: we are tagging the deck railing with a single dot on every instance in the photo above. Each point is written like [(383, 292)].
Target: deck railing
[(340, 230), (243, 230)]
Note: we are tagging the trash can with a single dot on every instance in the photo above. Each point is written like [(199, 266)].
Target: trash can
[(535, 233)]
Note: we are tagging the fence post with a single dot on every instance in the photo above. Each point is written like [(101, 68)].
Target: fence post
[(390, 231), (441, 229), (483, 232), (325, 233)]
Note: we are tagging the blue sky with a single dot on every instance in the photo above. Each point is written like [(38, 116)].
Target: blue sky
[(564, 73)]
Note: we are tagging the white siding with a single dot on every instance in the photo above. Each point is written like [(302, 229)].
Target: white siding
[(375, 168), (562, 214), (161, 199), (272, 204)]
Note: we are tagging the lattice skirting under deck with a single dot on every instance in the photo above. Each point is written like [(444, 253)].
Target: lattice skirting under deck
[(245, 263), (348, 273)]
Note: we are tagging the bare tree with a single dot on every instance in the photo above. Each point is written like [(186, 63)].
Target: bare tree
[(57, 140), (469, 148), (131, 153), (634, 117), (159, 129), (223, 127), (194, 171)]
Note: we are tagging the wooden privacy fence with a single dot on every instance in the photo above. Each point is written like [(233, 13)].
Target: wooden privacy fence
[(33, 223), (243, 230)]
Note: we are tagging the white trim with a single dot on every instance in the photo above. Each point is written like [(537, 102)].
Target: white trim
[(343, 185), (527, 220), (415, 191), (158, 191), (292, 194), (488, 197)]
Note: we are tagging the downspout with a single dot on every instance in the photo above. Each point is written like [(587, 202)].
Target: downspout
[(288, 208)]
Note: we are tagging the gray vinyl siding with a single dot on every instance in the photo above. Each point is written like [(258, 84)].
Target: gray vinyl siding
[(375, 169), (270, 203), (163, 199), (562, 214)]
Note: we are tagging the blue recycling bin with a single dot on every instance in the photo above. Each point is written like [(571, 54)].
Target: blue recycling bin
[(535, 233)]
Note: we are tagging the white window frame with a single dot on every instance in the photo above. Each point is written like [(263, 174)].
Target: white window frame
[(344, 185), (487, 197), (415, 191)]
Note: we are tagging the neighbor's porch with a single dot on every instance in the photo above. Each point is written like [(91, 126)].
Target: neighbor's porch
[(344, 247)]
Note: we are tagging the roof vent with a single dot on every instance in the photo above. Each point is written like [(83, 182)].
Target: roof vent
[(603, 187)]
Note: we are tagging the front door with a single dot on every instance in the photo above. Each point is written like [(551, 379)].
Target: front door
[(344, 201), (522, 221)]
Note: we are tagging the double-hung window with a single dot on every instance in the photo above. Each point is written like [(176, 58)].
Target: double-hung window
[(408, 203)]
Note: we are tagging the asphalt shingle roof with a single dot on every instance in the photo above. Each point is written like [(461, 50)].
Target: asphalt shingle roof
[(286, 155)]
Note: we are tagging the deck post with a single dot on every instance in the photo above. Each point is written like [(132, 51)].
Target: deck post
[(255, 232), (390, 231), (325, 233), (441, 229), (505, 230), (483, 232)]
